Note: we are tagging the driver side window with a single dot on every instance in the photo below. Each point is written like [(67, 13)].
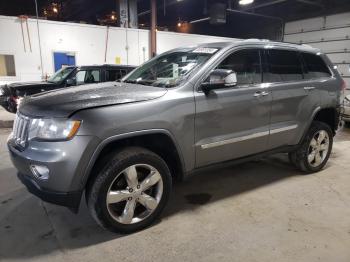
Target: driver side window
[(246, 64)]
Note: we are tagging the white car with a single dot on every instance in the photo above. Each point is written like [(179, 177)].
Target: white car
[(346, 109)]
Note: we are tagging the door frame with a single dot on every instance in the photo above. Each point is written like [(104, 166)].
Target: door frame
[(61, 51)]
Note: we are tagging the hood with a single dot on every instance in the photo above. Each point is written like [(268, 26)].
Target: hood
[(64, 102), (22, 88)]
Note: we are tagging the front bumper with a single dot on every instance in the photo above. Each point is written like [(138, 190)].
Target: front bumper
[(70, 200), (66, 161)]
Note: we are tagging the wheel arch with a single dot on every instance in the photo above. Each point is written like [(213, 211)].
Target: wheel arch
[(327, 115), (160, 141)]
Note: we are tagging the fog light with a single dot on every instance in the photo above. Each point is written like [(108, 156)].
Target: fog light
[(40, 172)]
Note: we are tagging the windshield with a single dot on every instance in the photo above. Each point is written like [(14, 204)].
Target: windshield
[(170, 69), (60, 75)]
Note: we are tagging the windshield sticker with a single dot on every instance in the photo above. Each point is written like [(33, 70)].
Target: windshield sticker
[(205, 50)]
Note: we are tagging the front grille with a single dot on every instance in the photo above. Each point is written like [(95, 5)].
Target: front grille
[(20, 130)]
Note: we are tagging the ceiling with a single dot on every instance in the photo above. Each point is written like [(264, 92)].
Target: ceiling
[(262, 19)]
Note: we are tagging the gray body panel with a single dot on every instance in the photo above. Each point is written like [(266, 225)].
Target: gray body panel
[(231, 123), (206, 129)]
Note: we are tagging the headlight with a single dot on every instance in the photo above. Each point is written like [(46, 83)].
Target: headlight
[(52, 129)]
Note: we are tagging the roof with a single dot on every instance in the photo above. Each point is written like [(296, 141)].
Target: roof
[(262, 42), (104, 65)]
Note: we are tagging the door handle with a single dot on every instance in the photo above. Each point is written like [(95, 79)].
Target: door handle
[(260, 93), (309, 88)]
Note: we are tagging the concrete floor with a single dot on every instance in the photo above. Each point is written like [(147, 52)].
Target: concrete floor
[(258, 211), (6, 118)]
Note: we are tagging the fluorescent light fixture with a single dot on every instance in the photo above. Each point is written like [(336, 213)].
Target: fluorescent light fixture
[(245, 2)]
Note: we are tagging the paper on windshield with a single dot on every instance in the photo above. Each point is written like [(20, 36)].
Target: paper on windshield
[(205, 50)]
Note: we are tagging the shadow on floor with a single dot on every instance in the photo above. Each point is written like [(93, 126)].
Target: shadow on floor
[(29, 227)]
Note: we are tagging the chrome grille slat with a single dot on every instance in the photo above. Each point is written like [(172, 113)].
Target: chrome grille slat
[(20, 130)]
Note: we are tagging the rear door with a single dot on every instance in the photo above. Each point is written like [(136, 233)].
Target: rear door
[(233, 122), (294, 98)]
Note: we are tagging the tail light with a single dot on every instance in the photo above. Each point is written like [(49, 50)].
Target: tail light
[(13, 99)]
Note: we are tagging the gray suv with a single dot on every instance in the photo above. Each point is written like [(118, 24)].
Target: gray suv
[(123, 144)]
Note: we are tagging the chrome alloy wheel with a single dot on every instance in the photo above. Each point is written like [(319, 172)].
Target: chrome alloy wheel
[(134, 194), (318, 148)]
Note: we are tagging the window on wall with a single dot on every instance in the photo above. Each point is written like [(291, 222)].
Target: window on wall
[(246, 64), (284, 66), (315, 67), (7, 65)]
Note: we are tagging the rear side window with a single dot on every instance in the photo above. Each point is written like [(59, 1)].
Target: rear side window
[(283, 66), (315, 67), (246, 64)]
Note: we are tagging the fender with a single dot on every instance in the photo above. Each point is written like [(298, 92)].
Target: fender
[(314, 113), (114, 138)]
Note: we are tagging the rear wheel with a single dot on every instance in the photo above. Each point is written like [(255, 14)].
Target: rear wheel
[(130, 192), (315, 149)]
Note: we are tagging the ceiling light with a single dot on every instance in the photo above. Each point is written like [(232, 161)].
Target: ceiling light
[(245, 2)]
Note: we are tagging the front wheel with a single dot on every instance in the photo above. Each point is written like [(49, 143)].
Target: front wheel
[(130, 192), (315, 149)]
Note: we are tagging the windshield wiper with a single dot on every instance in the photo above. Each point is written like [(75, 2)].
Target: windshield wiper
[(140, 82), (130, 81)]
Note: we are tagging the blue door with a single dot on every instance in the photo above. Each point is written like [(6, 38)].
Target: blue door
[(63, 59)]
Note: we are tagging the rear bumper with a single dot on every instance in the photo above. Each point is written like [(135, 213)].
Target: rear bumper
[(69, 199)]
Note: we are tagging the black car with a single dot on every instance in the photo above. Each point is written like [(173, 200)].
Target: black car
[(11, 94)]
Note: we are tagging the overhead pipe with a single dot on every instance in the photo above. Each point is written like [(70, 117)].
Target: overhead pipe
[(149, 11), (37, 24), (29, 41), (200, 20), (311, 3), (106, 45), (24, 42)]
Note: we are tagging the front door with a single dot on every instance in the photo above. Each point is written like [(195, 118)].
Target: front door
[(233, 122)]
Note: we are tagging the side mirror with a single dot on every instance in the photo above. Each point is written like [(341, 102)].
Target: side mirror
[(71, 82), (219, 78)]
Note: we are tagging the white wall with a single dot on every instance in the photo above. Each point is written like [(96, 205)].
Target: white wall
[(330, 33), (88, 42)]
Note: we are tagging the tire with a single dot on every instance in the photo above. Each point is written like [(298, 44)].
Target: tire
[(311, 157), (116, 181)]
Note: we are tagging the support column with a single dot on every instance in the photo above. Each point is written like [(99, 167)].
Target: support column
[(123, 13), (133, 17), (153, 28)]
